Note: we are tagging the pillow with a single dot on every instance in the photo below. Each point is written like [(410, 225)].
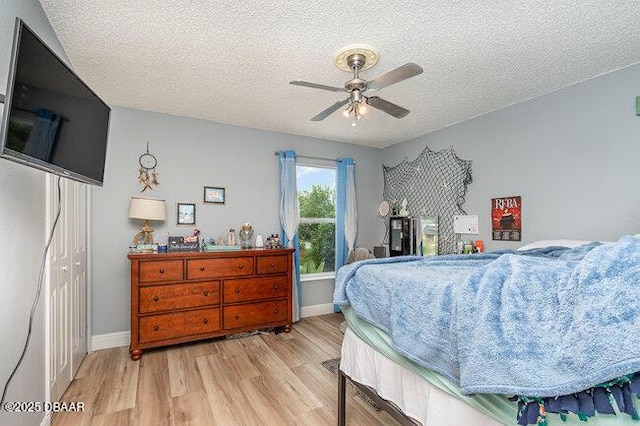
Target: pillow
[(552, 243)]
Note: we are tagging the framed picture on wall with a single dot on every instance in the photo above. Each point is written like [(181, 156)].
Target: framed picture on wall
[(186, 214), (506, 218), (214, 195)]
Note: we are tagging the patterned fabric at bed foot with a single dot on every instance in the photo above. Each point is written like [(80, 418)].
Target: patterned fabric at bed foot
[(603, 399)]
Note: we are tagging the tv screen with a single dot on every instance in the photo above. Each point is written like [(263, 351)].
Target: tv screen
[(52, 120)]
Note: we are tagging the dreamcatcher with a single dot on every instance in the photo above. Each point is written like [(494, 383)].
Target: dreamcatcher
[(147, 175)]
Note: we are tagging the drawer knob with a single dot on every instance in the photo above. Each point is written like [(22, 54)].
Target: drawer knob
[(206, 321), (276, 287), (275, 311), (237, 316), (161, 271), (202, 268), (237, 290), (206, 293), (273, 265), (156, 298), (240, 266), (155, 328)]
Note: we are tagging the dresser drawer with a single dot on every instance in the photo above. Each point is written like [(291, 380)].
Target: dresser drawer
[(214, 268), (178, 296), (254, 314), (179, 324), (160, 270), (247, 289), (272, 264)]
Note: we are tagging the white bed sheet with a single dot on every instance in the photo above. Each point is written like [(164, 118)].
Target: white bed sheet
[(554, 243), (415, 396)]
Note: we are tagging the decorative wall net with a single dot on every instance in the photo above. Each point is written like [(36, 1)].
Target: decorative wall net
[(434, 184)]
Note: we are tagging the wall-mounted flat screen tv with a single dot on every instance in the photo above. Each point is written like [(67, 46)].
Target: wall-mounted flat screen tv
[(52, 120)]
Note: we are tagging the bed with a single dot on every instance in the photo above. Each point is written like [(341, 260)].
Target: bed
[(542, 335)]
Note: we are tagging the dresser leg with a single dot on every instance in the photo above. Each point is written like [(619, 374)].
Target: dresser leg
[(287, 328), (135, 354)]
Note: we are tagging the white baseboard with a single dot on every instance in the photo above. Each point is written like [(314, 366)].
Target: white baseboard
[(313, 310), (110, 340)]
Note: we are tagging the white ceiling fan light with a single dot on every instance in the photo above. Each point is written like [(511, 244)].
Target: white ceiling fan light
[(355, 58)]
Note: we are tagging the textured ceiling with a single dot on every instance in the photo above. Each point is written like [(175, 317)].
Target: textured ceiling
[(231, 61)]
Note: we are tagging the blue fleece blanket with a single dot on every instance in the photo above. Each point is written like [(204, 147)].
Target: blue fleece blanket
[(542, 322)]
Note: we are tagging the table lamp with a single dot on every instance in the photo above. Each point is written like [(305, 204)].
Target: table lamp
[(146, 209)]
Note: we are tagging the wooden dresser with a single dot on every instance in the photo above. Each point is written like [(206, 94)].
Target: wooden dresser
[(182, 297)]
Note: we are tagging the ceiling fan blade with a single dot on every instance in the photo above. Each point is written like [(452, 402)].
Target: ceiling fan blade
[(316, 86), (327, 112), (388, 107), (395, 76)]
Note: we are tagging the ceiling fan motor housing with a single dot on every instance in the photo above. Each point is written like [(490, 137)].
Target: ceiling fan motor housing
[(355, 84)]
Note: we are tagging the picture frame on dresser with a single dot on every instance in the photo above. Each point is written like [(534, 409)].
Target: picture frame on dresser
[(186, 214)]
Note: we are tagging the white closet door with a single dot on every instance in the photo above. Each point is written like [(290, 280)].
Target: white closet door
[(79, 279), (60, 276), (67, 284)]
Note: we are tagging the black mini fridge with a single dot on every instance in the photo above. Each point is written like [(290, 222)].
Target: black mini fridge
[(403, 239)]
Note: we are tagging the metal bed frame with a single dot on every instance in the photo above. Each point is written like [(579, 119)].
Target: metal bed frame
[(387, 406)]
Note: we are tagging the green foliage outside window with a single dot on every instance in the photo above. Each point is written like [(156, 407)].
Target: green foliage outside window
[(317, 230)]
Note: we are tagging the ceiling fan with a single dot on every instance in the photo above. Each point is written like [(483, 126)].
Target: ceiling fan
[(357, 59)]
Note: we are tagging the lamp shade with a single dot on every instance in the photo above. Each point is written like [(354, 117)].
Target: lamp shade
[(147, 208)]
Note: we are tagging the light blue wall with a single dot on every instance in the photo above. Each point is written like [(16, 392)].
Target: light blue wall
[(191, 154), (572, 155), (22, 230)]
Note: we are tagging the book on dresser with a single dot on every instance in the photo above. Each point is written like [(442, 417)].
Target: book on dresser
[(187, 296)]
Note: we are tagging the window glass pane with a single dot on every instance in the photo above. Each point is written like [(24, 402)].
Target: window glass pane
[(307, 176), (317, 229), (317, 247)]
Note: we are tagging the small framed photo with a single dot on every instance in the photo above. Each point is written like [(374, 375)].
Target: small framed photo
[(186, 214), (214, 195)]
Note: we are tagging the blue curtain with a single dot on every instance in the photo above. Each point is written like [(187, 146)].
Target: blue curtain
[(289, 220), (345, 167)]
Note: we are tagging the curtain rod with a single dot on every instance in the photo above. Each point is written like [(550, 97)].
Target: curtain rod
[(277, 153)]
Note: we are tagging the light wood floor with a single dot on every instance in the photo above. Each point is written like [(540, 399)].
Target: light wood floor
[(263, 379)]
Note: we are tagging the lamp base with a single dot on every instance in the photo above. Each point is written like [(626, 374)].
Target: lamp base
[(145, 235)]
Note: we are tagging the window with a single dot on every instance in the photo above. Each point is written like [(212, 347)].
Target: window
[(317, 229)]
